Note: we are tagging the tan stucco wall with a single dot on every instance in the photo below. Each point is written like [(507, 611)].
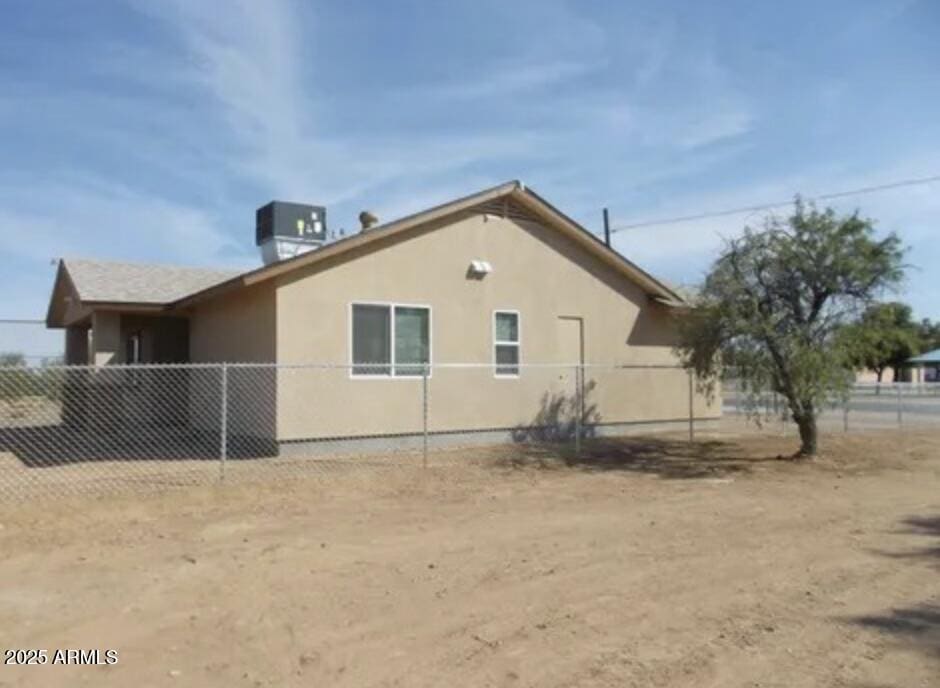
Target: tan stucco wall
[(536, 271), (237, 328)]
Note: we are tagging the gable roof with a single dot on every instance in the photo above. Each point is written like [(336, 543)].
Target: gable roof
[(101, 281), (110, 282), (515, 192), (167, 287)]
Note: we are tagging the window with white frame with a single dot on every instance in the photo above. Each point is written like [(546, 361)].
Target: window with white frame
[(390, 339), (506, 343)]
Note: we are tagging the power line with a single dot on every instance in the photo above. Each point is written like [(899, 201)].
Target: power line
[(771, 206)]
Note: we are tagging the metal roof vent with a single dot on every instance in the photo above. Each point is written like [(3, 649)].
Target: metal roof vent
[(368, 219), (284, 230)]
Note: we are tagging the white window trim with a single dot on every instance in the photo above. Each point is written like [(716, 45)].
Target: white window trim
[(391, 305), (517, 344)]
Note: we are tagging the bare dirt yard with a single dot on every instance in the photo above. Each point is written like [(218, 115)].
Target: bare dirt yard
[(647, 563)]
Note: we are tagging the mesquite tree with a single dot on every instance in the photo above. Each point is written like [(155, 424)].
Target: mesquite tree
[(776, 298)]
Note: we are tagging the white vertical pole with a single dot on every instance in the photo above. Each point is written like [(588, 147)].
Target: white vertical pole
[(223, 424), (424, 414), (691, 406)]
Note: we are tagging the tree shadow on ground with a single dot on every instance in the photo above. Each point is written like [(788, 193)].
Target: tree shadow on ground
[(665, 457), (918, 525), (557, 419), (548, 441), (917, 626)]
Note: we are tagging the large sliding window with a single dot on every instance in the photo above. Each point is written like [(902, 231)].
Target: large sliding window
[(506, 342), (390, 339)]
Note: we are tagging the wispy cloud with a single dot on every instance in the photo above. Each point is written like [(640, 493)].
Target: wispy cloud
[(513, 79), (252, 65), (70, 217), (715, 127)]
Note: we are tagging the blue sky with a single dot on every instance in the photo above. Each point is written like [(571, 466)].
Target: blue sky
[(152, 130)]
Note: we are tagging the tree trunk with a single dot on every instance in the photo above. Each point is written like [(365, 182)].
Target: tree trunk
[(806, 423)]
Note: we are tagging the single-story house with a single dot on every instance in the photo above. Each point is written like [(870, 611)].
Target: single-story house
[(926, 366), (500, 277)]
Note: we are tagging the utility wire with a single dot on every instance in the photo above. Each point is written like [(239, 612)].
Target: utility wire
[(771, 206)]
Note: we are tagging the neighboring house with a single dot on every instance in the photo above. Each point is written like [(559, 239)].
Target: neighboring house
[(926, 366), (499, 277), (867, 376)]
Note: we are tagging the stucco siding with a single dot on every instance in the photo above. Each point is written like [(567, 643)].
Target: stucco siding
[(536, 271), (240, 327)]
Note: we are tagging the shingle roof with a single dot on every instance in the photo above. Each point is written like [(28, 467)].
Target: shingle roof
[(113, 282), (929, 357)]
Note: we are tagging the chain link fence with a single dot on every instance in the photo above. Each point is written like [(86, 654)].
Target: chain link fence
[(77, 430), (866, 406)]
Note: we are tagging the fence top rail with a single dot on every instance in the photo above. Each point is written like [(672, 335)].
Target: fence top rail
[(903, 384), (871, 385), (332, 366)]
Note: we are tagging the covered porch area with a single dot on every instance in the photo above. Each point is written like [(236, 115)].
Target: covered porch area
[(109, 336)]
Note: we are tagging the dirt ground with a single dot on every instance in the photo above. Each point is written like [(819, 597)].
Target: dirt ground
[(646, 563)]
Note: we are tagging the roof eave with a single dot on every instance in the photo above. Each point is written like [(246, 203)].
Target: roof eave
[(679, 305)]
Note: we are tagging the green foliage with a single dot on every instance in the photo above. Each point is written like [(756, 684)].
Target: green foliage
[(885, 336), (929, 334), (19, 381), (774, 301), (11, 358), (15, 378)]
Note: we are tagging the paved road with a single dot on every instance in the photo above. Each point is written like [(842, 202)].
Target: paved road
[(888, 403), (868, 402)]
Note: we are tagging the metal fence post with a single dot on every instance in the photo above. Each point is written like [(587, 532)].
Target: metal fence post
[(577, 411), (424, 415), (691, 406), (223, 425), (900, 412)]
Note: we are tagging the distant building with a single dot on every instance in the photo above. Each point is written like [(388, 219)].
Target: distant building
[(926, 367)]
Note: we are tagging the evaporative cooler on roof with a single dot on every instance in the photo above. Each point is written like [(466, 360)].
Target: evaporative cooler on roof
[(284, 230)]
